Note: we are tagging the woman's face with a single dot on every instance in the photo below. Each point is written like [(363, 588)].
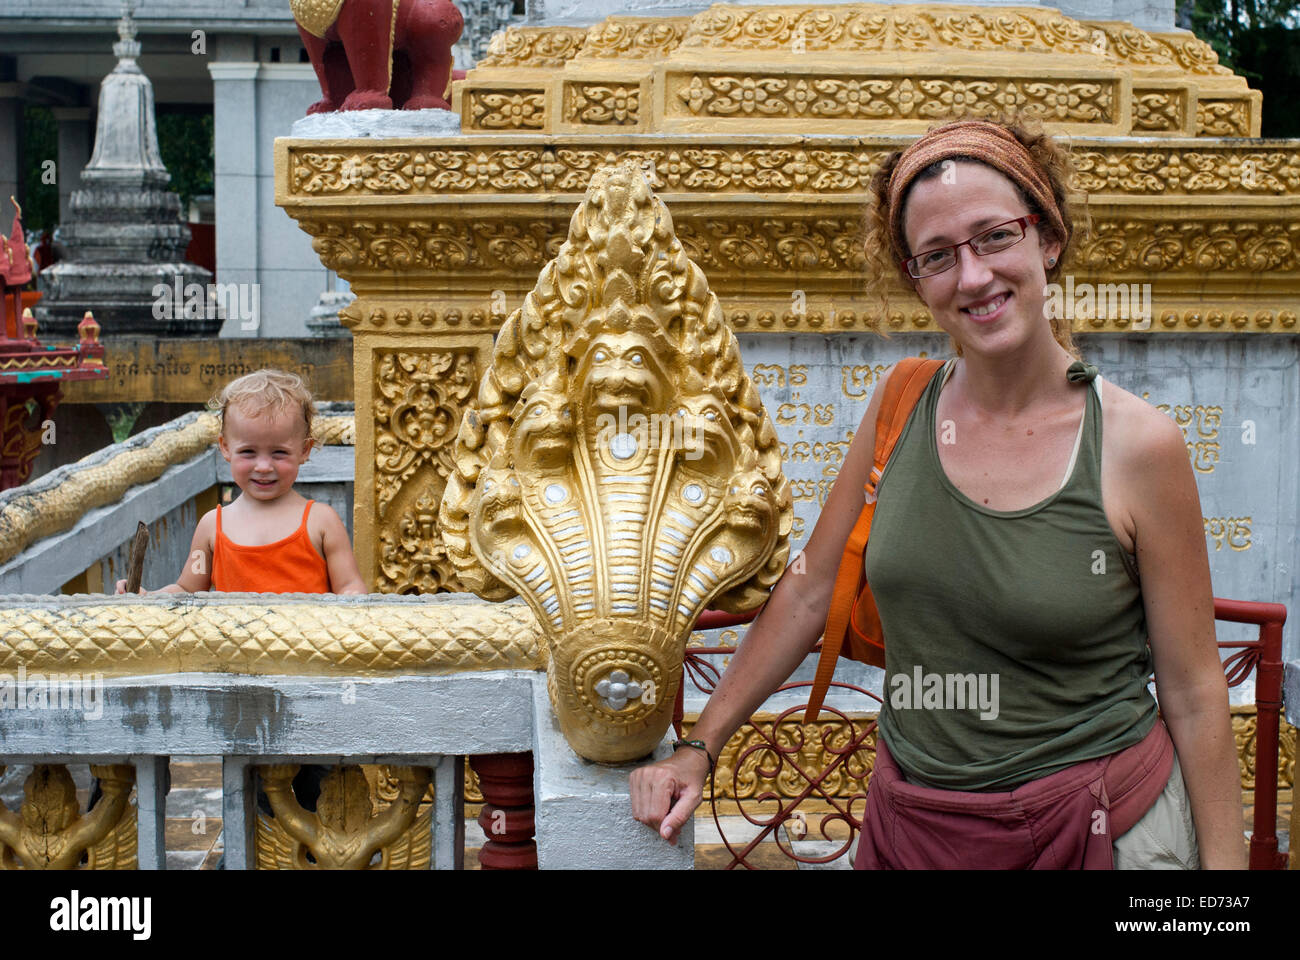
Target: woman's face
[(991, 305)]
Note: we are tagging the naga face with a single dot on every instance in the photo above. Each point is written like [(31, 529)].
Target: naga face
[(542, 437), (499, 502), (750, 503), (621, 371), (706, 440)]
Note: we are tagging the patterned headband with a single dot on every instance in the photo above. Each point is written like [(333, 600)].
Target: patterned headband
[(984, 141)]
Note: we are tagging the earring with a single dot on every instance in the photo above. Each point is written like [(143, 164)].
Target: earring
[(1051, 261)]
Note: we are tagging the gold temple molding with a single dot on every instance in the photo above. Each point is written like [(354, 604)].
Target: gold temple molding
[(479, 167), (290, 634), (1108, 76)]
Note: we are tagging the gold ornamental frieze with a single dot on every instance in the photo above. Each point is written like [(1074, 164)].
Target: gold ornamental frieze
[(796, 245), (848, 68), (839, 166), (854, 28), (536, 47), (617, 469), (793, 99)]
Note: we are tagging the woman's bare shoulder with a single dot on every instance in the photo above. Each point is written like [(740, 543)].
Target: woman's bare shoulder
[(1139, 435)]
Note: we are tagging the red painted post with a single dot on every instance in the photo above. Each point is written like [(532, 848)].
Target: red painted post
[(1268, 717), (506, 781)]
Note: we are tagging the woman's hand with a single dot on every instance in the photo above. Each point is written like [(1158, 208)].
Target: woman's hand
[(121, 587), (665, 794)]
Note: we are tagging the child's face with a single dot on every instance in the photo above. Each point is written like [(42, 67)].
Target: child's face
[(265, 451)]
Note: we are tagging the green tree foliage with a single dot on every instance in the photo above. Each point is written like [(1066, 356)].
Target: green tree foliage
[(40, 199), (185, 141), (1259, 39)]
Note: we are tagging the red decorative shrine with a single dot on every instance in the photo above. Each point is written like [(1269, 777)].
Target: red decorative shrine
[(32, 375)]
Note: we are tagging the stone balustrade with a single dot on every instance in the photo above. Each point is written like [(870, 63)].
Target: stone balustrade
[(266, 681)]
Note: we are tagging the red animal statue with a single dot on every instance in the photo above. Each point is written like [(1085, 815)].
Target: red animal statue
[(379, 54)]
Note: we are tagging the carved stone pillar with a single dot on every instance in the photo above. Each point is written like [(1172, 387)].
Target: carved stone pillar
[(506, 781)]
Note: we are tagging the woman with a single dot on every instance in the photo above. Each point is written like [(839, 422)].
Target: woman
[(1008, 533)]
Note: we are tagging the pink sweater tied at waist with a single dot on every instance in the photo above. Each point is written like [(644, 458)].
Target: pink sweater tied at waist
[(1067, 820)]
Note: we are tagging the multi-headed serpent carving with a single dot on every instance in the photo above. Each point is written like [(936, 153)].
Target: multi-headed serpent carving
[(617, 469)]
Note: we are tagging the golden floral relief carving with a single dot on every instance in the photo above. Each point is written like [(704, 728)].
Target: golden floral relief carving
[(346, 832), (507, 109), (813, 96), (419, 399), (879, 27), (602, 103), (534, 47), (1192, 54), (1189, 245), (442, 246), (1119, 170), (630, 38), (1223, 118), (1158, 110), (50, 832), (729, 245), (709, 170), (617, 469), (433, 171), (854, 28)]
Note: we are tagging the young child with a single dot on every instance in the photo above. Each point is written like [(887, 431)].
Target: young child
[(271, 539)]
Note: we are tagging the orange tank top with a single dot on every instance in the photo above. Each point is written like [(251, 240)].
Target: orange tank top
[(291, 565)]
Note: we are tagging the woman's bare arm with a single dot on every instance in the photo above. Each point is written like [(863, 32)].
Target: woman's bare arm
[(1176, 593), (665, 794)]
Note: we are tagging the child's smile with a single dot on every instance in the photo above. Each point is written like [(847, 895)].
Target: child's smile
[(264, 451)]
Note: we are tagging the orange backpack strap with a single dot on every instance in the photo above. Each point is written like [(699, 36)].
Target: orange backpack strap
[(902, 391)]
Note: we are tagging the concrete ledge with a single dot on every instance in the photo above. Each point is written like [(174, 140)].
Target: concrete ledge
[(270, 717), (379, 124)]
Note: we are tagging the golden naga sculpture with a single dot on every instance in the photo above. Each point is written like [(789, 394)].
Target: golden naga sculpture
[(618, 470), (49, 832), (344, 833)]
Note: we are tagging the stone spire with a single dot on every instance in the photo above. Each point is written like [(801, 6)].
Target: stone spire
[(124, 236)]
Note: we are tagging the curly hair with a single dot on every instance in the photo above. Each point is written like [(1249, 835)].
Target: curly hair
[(884, 257), (266, 391)]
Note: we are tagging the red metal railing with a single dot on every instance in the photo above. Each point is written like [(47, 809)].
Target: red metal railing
[(1262, 656)]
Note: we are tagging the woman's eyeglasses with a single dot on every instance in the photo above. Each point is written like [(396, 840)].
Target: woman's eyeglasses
[(990, 241)]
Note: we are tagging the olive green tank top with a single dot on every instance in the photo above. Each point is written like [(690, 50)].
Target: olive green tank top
[(1015, 641)]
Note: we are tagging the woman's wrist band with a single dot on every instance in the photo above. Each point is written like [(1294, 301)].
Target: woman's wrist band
[(698, 745)]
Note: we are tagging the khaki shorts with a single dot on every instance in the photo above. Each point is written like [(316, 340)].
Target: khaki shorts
[(1165, 837)]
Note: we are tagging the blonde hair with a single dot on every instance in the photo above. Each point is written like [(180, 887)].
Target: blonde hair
[(883, 255), (266, 391)]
